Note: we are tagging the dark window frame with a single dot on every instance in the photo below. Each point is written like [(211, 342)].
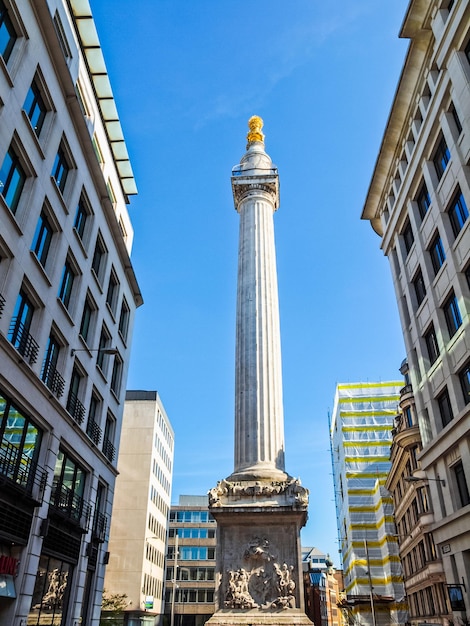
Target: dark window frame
[(436, 252), (445, 407), (61, 168), (419, 287), (8, 35), (464, 377), (408, 236), (35, 107), (42, 238), (66, 284), (12, 179), (432, 344), (452, 313), (458, 212), (441, 157), (423, 200)]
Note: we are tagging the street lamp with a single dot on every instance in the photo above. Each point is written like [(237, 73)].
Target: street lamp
[(418, 479), (102, 350)]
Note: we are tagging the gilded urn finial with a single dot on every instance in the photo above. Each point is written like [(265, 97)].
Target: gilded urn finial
[(255, 124)]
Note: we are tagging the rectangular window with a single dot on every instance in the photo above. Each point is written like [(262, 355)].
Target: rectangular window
[(458, 213), (431, 344), (42, 239), (436, 251), (441, 158), (74, 405), (461, 482), (7, 33), (456, 118), (464, 377), (35, 107), (113, 291), (116, 377), (102, 358), (108, 438), (93, 429), (66, 285), (408, 236), (452, 314), (81, 217), (49, 374), (445, 408), (20, 326), (420, 289), (69, 487), (124, 319), (99, 255), (61, 169), (12, 179), (423, 200), (87, 316)]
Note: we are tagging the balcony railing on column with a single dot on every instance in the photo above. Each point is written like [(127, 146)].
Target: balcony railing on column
[(109, 450), (70, 505), (75, 408), (54, 381), (23, 341), (21, 471)]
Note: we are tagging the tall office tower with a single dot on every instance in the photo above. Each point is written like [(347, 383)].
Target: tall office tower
[(361, 436), (259, 508), (418, 203), (190, 566), (68, 295), (426, 593), (138, 534)]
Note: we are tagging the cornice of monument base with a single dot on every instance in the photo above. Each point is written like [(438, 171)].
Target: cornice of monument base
[(255, 617), (261, 493)]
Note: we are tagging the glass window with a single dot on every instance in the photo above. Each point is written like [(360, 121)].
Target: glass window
[(464, 376), (420, 289), (69, 486), (42, 238), (408, 236), (49, 368), (61, 169), (441, 158), (21, 325), (12, 179), (81, 217), (74, 406), (116, 376), (87, 315), (431, 344), (66, 285), (452, 314), (461, 481), (108, 439), (113, 291), (424, 200), (445, 407), (102, 358), (7, 33), (35, 108), (98, 262), (124, 319), (436, 251), (458, 213), (456, 118)]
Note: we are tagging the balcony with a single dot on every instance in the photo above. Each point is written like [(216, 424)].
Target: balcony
[(93, 431), (22, 340), (75, 408), (100, 525), (53, 380), (21, 472), (2, 304), (70, 506), (109, 450)]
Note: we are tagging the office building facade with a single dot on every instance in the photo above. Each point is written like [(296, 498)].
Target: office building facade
[(418, 204), (138, 535), (68, 296), (190, 566), (360, 430)]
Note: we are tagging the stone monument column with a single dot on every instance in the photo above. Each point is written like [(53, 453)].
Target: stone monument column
[(259, 508), (259, 420)]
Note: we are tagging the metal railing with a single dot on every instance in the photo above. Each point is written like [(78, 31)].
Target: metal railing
[(2, 304), (75, 408), (100, 524), (70, 505), (109, 450), (21, 471), (22, 340), (54, 381), (93, 431)]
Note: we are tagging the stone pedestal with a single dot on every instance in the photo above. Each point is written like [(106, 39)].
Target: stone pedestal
[(259, 569)]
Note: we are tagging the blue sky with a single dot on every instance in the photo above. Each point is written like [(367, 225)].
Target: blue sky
[(187, 75)]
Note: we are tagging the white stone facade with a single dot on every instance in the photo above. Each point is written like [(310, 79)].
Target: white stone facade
[(68, 296), (418, 203)]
